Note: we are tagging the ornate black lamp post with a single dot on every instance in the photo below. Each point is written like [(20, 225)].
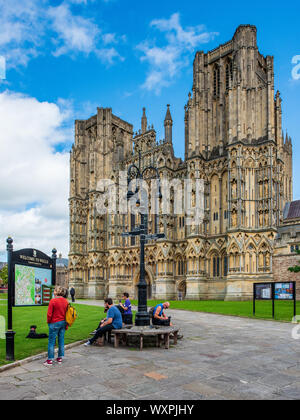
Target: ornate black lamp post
[(142, 317)]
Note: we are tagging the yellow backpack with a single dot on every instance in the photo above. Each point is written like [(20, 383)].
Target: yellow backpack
[(71, 315)]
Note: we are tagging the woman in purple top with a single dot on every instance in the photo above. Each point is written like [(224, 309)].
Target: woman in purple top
[(127, 316)]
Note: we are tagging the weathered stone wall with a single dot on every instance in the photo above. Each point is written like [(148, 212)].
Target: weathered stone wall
[(281, 263)]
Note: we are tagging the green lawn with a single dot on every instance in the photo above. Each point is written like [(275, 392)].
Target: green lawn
[(284, 311), (88, 319)]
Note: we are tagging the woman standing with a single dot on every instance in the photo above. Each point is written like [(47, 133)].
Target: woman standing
[(57, 325)]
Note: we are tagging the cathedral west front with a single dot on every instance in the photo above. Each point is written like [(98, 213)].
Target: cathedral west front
[(234, 144)]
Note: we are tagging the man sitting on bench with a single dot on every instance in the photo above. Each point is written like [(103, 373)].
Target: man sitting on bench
[(112, 322), (159, 317)]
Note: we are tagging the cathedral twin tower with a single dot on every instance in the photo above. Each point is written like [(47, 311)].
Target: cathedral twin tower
[(233, 142)]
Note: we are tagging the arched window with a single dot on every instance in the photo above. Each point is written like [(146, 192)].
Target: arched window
[(180, 268), (225, 266), (216, 266)]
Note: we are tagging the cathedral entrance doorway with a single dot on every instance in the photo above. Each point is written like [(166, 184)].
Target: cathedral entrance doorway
[(181, 290)]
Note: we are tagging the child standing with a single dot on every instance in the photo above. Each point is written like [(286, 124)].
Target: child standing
[(56, 316)]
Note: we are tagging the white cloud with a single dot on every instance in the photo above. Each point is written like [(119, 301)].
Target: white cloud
[(34, 177), (80, 1), (34, 27), (166, 62), (109, 39), (108, 55), (31, 229), (189, 37), (88, 1), (2, 67), (75, 33), (20, 25)]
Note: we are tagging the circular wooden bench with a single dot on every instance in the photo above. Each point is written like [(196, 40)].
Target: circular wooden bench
[(141, 332)]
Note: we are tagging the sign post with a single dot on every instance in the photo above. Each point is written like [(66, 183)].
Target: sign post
[(273, 301), (10, 334), (54, 258), (29, 272), (294, 296)]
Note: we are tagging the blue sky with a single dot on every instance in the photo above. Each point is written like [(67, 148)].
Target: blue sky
[(65, 58)]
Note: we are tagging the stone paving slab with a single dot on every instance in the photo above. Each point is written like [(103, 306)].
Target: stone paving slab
[(220, 357)]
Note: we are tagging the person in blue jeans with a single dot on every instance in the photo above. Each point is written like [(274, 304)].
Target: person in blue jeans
[(56, 316), (57, 330), (112, 322)]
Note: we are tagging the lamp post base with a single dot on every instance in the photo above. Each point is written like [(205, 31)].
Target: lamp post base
[(142, 319)]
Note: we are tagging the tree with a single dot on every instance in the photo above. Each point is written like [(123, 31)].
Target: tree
[(296, 268), (4, 274)]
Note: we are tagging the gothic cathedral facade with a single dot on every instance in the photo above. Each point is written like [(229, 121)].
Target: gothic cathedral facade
[(234, 142)]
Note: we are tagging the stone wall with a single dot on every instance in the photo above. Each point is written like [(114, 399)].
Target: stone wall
[(281, 263), (62, 276)]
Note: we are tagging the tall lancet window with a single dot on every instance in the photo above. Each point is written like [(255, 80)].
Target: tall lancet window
[(217, 81), (228, 73)]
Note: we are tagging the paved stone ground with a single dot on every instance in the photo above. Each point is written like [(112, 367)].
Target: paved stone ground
[(220, 357)]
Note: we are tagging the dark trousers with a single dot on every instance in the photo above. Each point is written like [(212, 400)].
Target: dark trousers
[(164, 322), (127, 319), (100, 332), (73, 298)]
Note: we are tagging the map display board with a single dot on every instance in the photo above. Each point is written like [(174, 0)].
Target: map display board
[(31, 270), (28, 284), (263, 291), (284, 291)]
